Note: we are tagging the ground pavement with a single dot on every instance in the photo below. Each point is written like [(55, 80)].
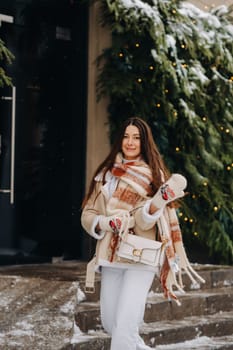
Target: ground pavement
[(44, 307)]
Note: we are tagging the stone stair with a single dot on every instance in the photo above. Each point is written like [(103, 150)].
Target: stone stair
[(43, 307), (203, 321)]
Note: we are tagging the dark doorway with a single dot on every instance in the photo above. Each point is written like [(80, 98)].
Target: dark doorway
[(49, 41)]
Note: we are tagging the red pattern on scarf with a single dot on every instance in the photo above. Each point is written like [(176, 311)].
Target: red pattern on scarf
[(126, 195), (113, 246), (176, 236), (126, 170), (163, 277)]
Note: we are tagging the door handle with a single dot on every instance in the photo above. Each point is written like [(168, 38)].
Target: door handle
[(12, 182), (11, 190)]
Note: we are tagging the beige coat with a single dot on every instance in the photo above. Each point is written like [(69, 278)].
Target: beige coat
[(97, 206), (145, 225)]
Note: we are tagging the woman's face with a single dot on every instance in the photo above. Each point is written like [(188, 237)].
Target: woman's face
[(131, 143)]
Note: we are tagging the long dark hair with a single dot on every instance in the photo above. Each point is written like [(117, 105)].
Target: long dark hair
[(149, 153)]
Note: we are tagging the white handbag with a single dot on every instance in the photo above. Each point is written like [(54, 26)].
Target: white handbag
[(141, 250)]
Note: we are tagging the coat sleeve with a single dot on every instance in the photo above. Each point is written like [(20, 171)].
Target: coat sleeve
[(92, 211), (144, 220)]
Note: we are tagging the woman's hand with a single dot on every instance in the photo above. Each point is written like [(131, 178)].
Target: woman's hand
[(171, 190), (112, 223)]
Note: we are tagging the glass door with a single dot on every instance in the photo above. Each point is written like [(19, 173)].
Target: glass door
[(50, 116)]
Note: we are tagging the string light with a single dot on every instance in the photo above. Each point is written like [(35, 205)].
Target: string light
[(205, 183), (137, 44), (228, 168), (158, 105), (151, 67), (193, 196), (215, 208), (121, 54), (204, 119), (227, 131), (186, 219), (177, 149), (166, 91), (139, 80), (180, 214), (191, 221), (195, 233)]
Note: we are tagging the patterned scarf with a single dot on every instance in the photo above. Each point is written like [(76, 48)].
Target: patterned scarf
[(134, 187)]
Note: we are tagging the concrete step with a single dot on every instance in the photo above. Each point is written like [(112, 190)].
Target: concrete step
[(175, 331), (215, 276), (195, 332), (59, 270), (194, 303), (38, 304)]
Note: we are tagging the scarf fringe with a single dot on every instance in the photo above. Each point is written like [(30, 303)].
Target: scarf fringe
[(177, 261), (174, 279)]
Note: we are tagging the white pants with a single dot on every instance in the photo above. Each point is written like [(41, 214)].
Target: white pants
[(122, 301)]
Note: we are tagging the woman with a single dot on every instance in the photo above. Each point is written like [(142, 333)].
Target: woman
[(132, 180)]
